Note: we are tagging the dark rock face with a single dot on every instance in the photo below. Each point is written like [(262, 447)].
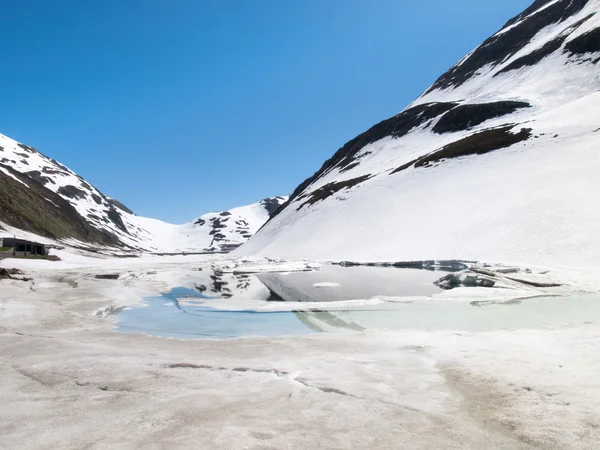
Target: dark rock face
[(464, 117), (537, 4), (498, 48), (331, 188), (55, 216), (56, 163), (37, 176), (27, 148), (218, 223), (219, 285), (118, 204), (546, 50), (586, 43), (397, 126), (116, 218), (41, 211), (51, 171), (534, 57), (271, 204), (476, 144), (71, 191)]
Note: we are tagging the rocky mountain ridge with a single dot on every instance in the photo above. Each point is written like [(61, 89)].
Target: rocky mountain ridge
[(39, 194)]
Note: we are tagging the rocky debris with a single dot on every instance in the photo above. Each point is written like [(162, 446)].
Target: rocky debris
[(495, 276), (109, 311), (8, 274), (465, 278), (505, 270), (219, 285), (107, 276)]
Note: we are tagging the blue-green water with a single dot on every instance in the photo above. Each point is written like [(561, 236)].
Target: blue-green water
[(187, 313), (164, 316)]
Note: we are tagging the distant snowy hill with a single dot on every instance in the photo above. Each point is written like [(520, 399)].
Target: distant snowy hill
[(40, 195), (214, 231), (498, 160)]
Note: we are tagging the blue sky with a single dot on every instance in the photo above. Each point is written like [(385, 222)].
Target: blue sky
[(180, 107)]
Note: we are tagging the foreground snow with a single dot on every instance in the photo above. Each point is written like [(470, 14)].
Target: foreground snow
[(70, 382)]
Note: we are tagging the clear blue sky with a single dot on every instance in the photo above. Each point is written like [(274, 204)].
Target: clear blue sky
[(180, 107)]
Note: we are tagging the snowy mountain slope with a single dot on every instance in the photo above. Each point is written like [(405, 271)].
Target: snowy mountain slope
[(101, 212), (498, 160), (87, 215), (27, 205)]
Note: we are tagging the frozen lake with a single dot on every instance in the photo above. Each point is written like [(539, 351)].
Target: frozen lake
[(336, 300)]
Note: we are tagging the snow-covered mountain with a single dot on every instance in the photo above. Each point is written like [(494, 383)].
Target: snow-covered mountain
[(497, 160), (40, 195), (214, 231)]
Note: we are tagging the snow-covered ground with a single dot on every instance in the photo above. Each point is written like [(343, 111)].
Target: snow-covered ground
[(69, 381)]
